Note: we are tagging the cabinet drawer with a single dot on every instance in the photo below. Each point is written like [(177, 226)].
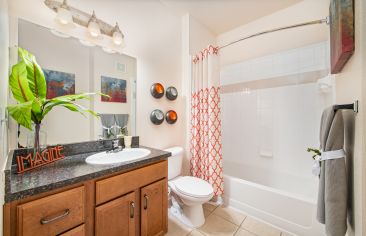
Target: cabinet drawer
[(53, 214), (119, 185), (78, 231)]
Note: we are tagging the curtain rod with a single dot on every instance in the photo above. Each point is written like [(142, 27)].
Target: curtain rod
[(314, 22)]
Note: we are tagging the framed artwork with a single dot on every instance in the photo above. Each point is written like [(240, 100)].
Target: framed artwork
[(59, 83), (342, 43), (115, 88)]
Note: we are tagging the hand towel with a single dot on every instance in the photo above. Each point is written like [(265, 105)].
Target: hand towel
[(121, 120), (108, 121), (332, 195)]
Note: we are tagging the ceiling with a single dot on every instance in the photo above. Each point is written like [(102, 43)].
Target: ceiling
[(220, 16)]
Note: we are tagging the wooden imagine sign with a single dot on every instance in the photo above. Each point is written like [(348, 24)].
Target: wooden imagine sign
[(41, 158)]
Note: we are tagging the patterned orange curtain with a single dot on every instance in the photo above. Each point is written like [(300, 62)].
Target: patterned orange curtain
[(206, 146)]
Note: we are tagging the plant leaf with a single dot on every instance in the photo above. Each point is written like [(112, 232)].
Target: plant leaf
[(74, 97), (22, 113), (37, 110), (50, 104), (69, 105), (35, 75), (19, 84), (74, 108)]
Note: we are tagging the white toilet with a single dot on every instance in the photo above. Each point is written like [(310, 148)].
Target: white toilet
[(191, 192)]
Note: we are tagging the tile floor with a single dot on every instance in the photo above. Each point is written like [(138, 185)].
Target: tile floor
[(222, 221)]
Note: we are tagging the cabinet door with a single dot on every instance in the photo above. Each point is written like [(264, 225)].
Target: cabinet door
[(154, 209), (116, 218)]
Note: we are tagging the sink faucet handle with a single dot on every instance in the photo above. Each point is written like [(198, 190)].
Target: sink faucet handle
[(115, 143)]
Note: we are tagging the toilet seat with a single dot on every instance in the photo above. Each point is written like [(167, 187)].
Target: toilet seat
[(193, 187)]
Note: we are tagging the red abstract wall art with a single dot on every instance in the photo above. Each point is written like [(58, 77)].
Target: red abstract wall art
[(342, 43), (115, 88)]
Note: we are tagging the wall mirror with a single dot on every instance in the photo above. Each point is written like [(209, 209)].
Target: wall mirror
[(71, 67)]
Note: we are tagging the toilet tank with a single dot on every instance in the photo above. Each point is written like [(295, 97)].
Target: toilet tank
[(175, 162)]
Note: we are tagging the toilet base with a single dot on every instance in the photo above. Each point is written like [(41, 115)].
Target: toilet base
[(192, 216)]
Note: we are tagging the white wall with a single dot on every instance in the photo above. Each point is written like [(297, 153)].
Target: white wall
[(351, 85), (153, 36), (4, 66), (304, 11), (199, 36)]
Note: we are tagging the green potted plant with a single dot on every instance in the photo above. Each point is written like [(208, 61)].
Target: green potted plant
[(28, 86)]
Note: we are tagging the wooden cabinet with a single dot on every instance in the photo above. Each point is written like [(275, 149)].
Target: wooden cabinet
[(124, 204), (154, 206), (116, 217), (52, 215), (78, 231)]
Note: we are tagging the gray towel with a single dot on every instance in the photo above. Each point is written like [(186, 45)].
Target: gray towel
[(121, 120), (332, 195), (108, 121)]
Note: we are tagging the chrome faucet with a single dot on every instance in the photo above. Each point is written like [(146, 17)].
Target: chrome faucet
[(115, 146)]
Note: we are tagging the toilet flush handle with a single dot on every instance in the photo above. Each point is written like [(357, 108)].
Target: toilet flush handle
[(146, 198)]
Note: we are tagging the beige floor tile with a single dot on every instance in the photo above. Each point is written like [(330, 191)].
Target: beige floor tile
[(206, 212), (209, 207), (217, 226), (230, 215), (243, 232), (176, 228), (196, 233), (259, 228), (286, 234)]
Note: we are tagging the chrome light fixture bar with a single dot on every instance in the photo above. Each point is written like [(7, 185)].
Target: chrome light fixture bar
[(67, 14), (118, 37), (93, 26)]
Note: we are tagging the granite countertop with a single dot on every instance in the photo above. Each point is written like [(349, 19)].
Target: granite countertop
[(71, 170)]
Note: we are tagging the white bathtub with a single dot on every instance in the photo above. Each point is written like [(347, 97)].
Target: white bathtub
[(287, 202)]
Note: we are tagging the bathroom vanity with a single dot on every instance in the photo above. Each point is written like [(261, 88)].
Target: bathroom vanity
[(71, 197)]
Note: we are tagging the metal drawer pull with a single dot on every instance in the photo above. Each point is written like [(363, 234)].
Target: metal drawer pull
[(49, 220), (132, 210), (146, 198)]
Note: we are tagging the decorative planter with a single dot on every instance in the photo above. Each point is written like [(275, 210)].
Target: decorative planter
[(157, 90), (171, 117), (171, 93), (157, 117)]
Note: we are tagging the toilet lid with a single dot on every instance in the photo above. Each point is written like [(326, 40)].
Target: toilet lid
[(193, 187)]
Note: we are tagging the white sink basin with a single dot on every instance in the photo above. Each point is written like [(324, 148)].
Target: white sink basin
[(128, 154)]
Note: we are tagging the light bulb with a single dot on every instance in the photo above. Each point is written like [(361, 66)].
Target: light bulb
[(93, 26), (117, 36), (64, 15)]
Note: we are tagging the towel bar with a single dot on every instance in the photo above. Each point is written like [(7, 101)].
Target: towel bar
[(353, 106)]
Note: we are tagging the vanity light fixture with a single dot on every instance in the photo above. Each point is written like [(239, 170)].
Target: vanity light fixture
[(93, 26), (118, 37), (64, 15), (67, 14)]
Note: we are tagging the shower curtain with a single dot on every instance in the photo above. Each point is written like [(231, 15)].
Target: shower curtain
[(206, 147)]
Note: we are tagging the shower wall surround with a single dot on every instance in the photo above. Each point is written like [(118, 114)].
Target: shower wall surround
[(274, 117), (295, 62)]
